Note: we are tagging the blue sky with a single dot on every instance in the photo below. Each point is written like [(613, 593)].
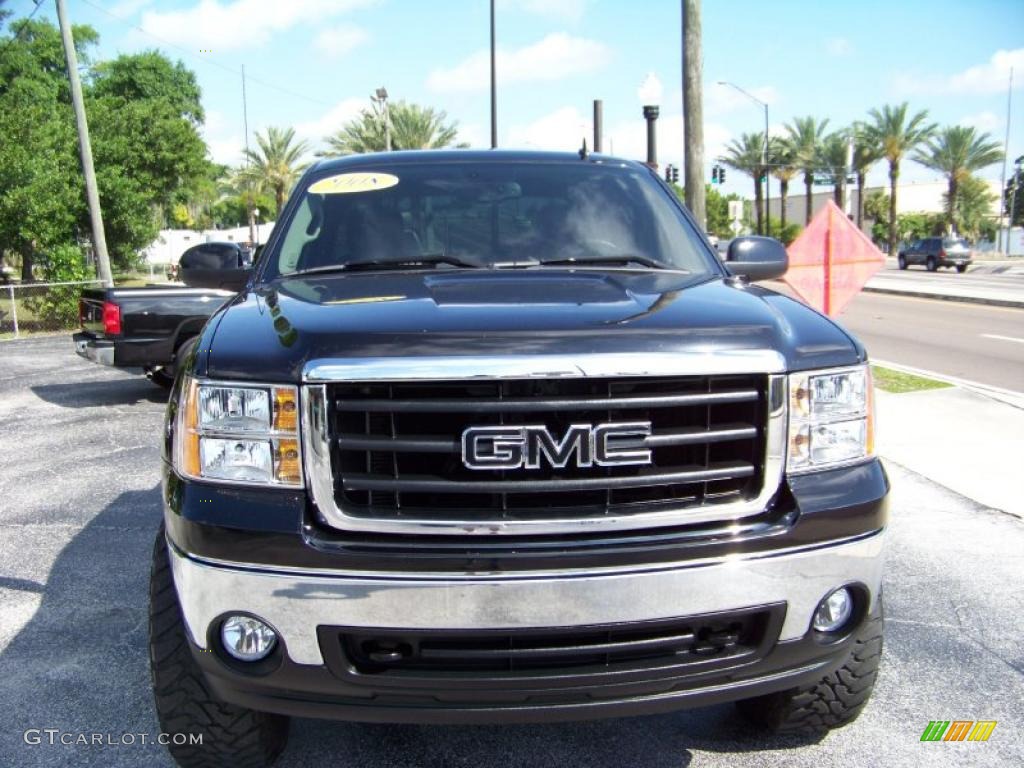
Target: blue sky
[(313, 63)]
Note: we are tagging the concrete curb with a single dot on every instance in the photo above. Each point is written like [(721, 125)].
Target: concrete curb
[(1013, 303)]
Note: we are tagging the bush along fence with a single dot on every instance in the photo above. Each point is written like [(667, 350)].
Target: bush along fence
[(39, 307)]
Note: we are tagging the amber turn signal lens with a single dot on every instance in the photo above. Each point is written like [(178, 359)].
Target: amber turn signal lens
[(190, 437), (286, 409), (287, 461)]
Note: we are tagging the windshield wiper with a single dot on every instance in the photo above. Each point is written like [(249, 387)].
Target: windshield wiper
[(413, 261), (617, 259)]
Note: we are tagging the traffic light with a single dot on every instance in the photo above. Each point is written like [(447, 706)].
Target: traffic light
[(675, 174), (714, 174), (668, 174), (721, 175)]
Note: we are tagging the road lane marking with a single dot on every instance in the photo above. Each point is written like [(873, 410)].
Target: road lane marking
[(1001, 338)]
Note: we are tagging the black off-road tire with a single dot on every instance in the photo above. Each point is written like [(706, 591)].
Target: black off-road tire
[(901, 261), (836, 700), (231, 736), (961, 268), (931, 265)]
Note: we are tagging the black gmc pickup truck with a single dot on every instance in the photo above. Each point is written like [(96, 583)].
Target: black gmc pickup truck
[(496, 437)]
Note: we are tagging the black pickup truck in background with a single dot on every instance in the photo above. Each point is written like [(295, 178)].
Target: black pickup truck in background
[(151, 327)]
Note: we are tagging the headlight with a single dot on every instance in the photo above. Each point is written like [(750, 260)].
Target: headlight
[(830, 418), (239, 433)]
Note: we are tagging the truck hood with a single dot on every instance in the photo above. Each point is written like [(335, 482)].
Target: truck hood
[(271, 332)]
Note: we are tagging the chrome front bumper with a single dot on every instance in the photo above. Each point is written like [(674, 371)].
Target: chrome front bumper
[(296, 602)]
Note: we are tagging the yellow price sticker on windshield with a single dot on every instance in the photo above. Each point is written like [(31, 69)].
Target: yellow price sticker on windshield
[(349, 183)]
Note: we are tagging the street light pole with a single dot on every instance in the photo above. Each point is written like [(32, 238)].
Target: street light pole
[(764, 153), (494, 87), (381, 97)]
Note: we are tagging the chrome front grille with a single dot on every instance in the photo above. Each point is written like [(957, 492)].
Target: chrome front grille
[(387, 455)]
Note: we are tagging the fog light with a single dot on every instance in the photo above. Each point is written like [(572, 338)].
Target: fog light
[(834, 611), (246, 638)]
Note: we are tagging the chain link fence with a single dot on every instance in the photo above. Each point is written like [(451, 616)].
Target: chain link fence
[(31, 308)]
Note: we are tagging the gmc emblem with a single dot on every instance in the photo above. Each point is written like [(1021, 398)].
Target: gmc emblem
[(603, 445)]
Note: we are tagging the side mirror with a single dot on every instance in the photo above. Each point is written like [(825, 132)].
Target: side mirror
[(757, 258), (225, 279)]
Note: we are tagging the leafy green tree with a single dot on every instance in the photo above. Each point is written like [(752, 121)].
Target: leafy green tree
[(805, 136), (974, 208), (58, 306), (746, 155), (957, 151), (896, 133), (832, 153), (788, 232), (876, 210), (865, 154), (143, 113), (918, 224), (276, 163), (412, 127), (784, 165), (717, 208), (41, 197)]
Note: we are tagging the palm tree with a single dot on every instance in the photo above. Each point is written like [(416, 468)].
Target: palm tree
[(782, 159), (276, 164), (805, 135), (865, 154), (832, 161), (896, 133), (412, 127), (958, 151), (746, 155)]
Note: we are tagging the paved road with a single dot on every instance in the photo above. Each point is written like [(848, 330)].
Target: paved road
[(79, 506), (993, 282), (969, 341)]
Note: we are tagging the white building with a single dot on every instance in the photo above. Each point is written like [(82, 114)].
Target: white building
[(171, 243)]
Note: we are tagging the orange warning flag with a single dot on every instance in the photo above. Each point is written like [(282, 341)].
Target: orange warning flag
[(831, 260)]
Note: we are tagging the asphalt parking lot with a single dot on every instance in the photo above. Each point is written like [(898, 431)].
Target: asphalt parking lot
[(79, 507)]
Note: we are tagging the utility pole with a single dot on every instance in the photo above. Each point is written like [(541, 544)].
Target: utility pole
[(598, 125), (764, 152), (494, 87), (693, 112), (248, 177), (99, 239), (1002, 192)]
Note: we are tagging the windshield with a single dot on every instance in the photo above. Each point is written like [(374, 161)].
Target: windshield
[(952, 242), (485, 215)]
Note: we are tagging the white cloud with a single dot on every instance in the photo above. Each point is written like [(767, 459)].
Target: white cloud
[(563, 129), (991, 77), (552, 58), (330, 121), (335, 42), (650, 90), (563, 10), (985, 122), (838, 46), (222, 25)]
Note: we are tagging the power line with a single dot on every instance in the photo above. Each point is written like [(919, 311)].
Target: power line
[(201, 60), (24, 25)]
